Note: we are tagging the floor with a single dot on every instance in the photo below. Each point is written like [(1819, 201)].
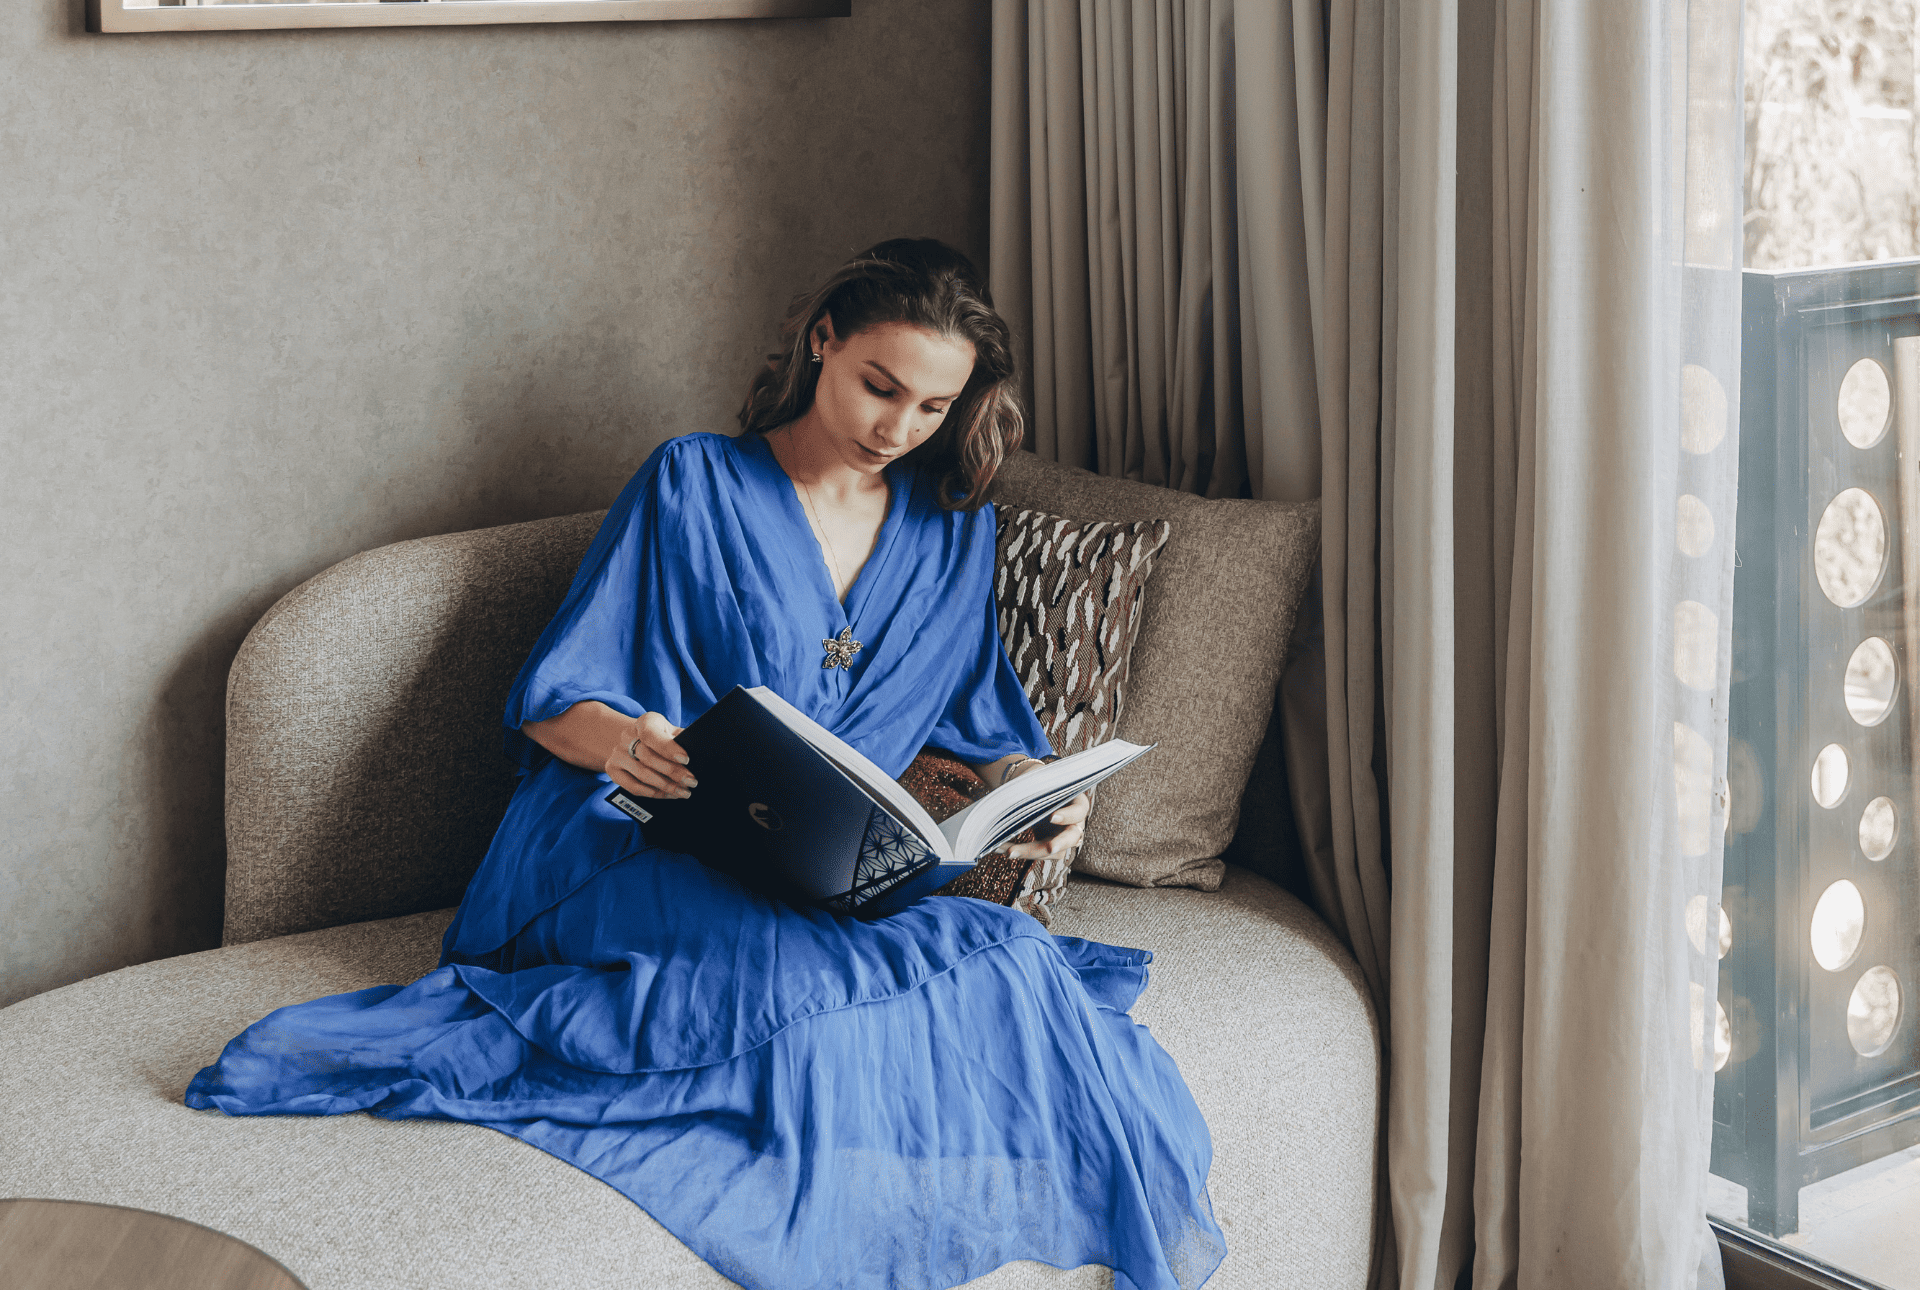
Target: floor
[(1866, 1220)]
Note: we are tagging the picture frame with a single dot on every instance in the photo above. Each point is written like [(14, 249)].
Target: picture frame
[(117, 17)]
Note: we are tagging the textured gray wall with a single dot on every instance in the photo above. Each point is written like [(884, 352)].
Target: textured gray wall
[(269, 299)]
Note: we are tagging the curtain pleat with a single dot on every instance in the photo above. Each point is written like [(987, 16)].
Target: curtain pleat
[(1038, 213), (1350, 407), (1418, 598), (1279, 109), (1508, 254)]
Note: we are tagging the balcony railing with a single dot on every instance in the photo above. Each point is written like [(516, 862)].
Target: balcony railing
[(1821, 935)]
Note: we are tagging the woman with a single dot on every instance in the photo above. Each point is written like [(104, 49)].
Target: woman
[(804, 1100)]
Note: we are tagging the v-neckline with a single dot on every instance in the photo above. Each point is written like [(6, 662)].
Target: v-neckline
[(789, 491)]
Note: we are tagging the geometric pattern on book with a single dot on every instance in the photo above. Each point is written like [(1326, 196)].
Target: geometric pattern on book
[(1069, 593), (889, 855)]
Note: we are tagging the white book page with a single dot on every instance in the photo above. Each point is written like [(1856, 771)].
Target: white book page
[(1033, 796), (858, 768)]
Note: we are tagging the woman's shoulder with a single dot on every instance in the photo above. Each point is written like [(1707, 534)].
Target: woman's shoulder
[(692, 450), (696, 463), (684, 472)]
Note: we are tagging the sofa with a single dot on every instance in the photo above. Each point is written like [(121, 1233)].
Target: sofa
[(348, 847)]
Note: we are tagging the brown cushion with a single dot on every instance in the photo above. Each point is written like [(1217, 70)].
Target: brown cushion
[(1213, 631)]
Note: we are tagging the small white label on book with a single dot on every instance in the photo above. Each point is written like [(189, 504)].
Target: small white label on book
[(632, 807)]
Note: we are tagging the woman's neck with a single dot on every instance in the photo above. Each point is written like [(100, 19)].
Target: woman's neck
[(807, 455)]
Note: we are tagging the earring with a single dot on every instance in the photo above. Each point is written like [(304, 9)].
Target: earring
[(816, 355)]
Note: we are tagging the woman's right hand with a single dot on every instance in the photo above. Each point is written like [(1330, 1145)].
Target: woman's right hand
[(648, 761)]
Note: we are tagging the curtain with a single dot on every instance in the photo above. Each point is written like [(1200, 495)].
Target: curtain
[(1598, 408), (1162, 307), (1497, 243)]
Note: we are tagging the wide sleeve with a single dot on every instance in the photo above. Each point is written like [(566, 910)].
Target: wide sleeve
[(988, 714), (640, 594)]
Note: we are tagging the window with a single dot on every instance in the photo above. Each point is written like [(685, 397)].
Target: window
[(1817, 1099)]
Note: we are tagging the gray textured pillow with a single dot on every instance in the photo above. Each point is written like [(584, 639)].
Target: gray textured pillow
[(1214, 628)]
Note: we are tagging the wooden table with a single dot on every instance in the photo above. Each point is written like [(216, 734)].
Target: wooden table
[(72, 1245)]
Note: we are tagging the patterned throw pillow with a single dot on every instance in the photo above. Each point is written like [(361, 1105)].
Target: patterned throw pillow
[(1069, 596)]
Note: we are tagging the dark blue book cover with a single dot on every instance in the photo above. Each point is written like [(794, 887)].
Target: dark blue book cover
[(776, 813)]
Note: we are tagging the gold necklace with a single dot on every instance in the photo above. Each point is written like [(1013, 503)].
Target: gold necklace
[(820, 527), (840, 649)]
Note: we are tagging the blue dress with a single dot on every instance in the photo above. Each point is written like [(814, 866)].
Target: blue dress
[(804, 1100)]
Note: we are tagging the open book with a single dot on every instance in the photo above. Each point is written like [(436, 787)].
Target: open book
[(788, 807)]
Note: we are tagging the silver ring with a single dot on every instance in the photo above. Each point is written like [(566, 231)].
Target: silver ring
[(633, 748)]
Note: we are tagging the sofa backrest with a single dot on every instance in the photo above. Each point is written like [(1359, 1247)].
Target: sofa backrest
[(364, 767)]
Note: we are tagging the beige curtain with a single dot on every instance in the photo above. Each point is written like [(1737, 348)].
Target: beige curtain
[(1163, 308), (1503, 243)]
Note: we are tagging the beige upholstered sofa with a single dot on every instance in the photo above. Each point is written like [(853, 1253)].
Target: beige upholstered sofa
[(349, 844)]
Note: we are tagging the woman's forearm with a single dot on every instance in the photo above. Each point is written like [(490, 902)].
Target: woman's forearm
[(586, 735), (637, 753)]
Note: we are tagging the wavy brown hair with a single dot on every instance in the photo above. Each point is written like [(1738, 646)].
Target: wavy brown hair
[(924, 283)]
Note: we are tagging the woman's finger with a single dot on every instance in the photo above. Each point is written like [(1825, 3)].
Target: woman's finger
[(1073, 812), (1064, 841), (658, 763), (638, 779), (674, 779), (1059, 844), (649, 744), (657, 732)]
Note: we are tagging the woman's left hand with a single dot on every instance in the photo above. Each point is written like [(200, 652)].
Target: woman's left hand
[(1063, 831)]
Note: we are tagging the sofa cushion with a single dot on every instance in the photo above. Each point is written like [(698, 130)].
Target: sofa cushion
[(1214, 628), (1280, 1055)]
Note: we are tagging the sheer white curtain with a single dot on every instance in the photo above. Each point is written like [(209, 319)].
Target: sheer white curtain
[(1519, 285), (1613, 373)]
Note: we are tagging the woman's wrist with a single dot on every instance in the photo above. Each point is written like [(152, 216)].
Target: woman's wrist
[(1017, 765)]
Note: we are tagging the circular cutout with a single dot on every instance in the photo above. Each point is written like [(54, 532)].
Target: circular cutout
[(1722, 1027), (1879, 826), (1873, 1013), (1703, 409), (1693, 526), (1838, 921), (1850, 547), (1697, 928), (1865, 399), (1872, 678), (1830, 774), (1696, 640)]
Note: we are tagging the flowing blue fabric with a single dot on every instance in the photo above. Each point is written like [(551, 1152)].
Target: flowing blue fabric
[(804, 1100)]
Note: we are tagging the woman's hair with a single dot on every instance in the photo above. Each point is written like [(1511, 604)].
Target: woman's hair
[(923, 283)]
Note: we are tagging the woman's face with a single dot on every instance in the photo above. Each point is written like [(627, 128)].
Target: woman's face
[(885, 389)]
